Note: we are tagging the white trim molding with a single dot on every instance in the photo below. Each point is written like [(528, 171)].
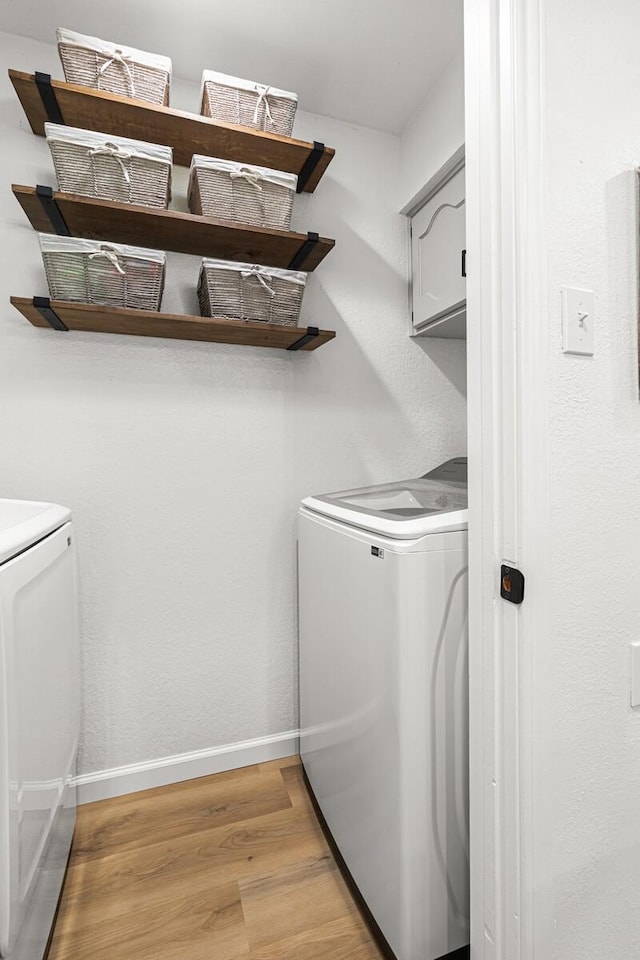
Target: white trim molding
[(184, 766), (508, 355)]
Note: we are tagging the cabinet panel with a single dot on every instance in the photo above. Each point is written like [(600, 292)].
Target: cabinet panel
[(437, 244)]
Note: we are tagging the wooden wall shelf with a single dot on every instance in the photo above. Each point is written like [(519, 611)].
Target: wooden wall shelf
[(63, 315), (70, 215), (187, 133)]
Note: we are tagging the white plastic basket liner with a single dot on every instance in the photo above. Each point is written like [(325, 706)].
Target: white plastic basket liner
[(93, 271), (110, 168), (107, 66), (245, 291), (248, 103), (241, 193)]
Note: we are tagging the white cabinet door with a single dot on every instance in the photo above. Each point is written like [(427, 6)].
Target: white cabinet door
[(437, 259)]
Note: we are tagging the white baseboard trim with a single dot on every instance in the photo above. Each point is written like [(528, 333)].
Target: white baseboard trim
[(184, 766)]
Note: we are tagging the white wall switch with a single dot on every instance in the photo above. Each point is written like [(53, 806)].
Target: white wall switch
[(577, 321), (635, 674)]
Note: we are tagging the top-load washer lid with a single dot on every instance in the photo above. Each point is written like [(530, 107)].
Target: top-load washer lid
[(24, 522), (434, 503)]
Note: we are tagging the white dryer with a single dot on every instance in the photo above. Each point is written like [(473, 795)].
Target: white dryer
[(39, 719), (384, 699)]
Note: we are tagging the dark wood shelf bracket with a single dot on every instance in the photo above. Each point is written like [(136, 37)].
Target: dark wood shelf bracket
[(53, 213), (311, 334), (307, 248), (315, 156), (44, 308), (48, 97)]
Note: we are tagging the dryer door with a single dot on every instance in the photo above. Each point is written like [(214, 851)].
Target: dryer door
[(39, 715)]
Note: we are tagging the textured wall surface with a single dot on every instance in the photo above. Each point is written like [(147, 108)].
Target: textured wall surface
[(587, 874), (184, 462), (435, 132)]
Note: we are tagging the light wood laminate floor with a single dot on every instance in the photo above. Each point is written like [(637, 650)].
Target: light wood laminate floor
[(228, 867)]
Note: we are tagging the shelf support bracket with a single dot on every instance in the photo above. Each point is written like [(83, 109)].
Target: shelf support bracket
[(48, 97), (298, 261), (52, 210), (311, 334), (312, 161), (44, 308)]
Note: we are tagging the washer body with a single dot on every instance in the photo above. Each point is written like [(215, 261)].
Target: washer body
[(384, 699), (39, 719)]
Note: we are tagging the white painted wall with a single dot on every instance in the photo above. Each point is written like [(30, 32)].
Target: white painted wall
[(586, 778), (434, 133), (184, 462)]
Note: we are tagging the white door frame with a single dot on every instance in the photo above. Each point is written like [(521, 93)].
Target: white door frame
[(508, 350)]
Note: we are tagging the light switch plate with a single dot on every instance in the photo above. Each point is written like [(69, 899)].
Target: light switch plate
[(635, 674), (577, 321)]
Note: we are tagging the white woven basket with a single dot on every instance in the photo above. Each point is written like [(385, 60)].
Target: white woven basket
[(91, 271), (106, 66), (245, 291), (247, 103), (110, 168), (241, 193)]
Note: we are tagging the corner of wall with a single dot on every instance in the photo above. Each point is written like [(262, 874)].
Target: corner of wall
[(434, 133)]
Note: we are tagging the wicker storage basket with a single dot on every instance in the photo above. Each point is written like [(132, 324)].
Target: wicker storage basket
[(110, 168), (247, 103), (245, 291), (91, 62), (241, 193), (91, 271)]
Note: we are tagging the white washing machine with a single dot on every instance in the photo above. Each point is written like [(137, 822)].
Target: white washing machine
[(384, 699), (39, 719)]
